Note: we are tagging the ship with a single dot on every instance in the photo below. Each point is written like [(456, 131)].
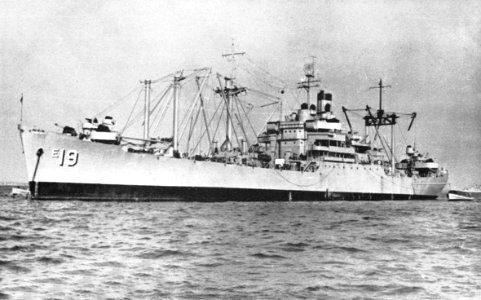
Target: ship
[(304, 155), (470, 194), (19, 192)]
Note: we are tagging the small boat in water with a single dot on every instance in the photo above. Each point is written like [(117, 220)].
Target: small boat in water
[(18, 192), (455, 195)]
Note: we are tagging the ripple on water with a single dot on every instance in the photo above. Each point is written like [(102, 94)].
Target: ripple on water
[(160, 253), (23, 248), (267, 256), (16, 237), (101, 246), (83, 272), (294, 247), (209, 265), (389, 289), (401, 290), (335, 262), (114, 264), (14, 266), (142, 274), (239, 250), (50, 260), (113, 283), (385, 240), (342, 248)]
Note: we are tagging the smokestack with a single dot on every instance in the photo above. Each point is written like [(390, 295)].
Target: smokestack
[(320, 97), (303, 113), (244, 146), (324, 104)]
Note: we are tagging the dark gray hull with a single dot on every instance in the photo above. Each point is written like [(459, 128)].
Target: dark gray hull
[(103, 192)]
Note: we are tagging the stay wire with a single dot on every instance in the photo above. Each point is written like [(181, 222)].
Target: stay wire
[(159, 104), (205, 131), (117, 102), (265, 71), (131, 112)]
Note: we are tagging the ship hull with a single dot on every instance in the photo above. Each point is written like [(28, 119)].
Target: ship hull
[(62, 167)]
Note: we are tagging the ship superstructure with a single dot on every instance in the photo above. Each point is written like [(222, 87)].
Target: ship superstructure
[(305, 155)]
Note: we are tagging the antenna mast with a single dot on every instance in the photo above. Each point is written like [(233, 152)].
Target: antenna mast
[(380, 87), (310, 81), (231, 56)]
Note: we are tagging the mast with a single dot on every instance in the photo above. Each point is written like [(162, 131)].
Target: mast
[(310, 81), (232, 56), (228, 126), (175, 134), (392, 149), (147, 110), (382, 119), (380, 86), (229, 91)]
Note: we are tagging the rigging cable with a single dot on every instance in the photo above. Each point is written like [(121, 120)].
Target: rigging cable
[(239, 120), (265, 123), (118, 102), (137, 116), (217, 127), (402, 134), (248, 120), (262, 80), (162, 78), (162, 114), (158, 104), (191, 109), (207, 124), (192, 127), (131, 112), (265, 71), (204, 115)]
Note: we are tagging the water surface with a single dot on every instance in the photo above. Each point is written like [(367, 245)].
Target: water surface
[(266, 250)]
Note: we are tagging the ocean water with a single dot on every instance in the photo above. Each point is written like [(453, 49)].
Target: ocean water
[(267, 250)]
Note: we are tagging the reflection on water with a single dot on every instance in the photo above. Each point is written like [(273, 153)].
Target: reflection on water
[(69, 250)]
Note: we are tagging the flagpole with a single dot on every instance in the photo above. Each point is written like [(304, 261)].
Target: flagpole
[(20, 128), (21, 110)]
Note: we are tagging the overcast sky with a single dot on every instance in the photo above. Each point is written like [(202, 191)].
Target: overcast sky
[(71, 58)]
